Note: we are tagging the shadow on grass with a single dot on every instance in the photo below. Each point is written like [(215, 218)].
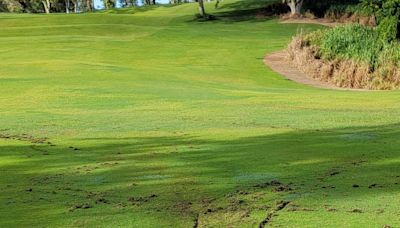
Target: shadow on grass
[(255, 11), (158, 173), (135, 9), (248, 4)]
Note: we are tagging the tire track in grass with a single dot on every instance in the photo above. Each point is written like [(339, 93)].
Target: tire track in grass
[(280, 206)]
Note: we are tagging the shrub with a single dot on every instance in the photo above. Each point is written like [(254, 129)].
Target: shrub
[(10, 6), (346, 9), (388, 28), (352, 56), (350, 42), (319, 8), (387, 13), (390, 54)]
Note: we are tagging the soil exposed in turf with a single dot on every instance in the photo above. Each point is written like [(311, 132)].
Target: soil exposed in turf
[(318, 21), (278, 62)]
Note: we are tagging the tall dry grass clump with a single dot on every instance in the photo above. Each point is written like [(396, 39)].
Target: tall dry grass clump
[(350, 56), (350, 13)]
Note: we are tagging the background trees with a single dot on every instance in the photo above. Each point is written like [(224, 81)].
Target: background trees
[(10, 6), (387, 13), (67, 6), (294, 5), (202, 10), (45, 6)]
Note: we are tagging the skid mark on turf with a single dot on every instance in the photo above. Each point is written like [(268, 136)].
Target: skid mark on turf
[(280, 206)]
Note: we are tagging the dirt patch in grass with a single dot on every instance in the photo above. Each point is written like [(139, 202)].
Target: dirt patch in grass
[(330, 20), (305, 20), (142, 199), (80, 206), (26, 138), (276, 186), (356, 210), (295, 207), (279, 206), (240, 205), (279, 63)]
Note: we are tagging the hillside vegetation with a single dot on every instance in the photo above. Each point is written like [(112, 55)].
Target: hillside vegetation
[(361, 55), (352, 56)]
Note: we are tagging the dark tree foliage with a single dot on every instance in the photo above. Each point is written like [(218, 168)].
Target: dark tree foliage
[(318, 8), (387, 13)]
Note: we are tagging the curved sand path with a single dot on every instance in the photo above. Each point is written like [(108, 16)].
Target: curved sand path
[(277, 62)]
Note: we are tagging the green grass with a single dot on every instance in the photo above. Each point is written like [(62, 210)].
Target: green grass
[(158, 104), (349, 41)]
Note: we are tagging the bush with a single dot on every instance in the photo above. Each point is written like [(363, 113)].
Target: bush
[(350, 42), (11, 6), (352, 56), (320, 8), (346, 9), (355, 42), (388, 28), (387, 13), (390, 54)]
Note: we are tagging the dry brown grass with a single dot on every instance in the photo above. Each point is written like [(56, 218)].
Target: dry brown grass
[(351, 18), (333, 18), (342, 73)]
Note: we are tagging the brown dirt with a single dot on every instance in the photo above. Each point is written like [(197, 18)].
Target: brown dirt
[(278, 62), (356, 210), (295, 207), (140, 200), (26, 138), (280, 206), (331, 209), (328, 20), (317, 21), (80, 206)]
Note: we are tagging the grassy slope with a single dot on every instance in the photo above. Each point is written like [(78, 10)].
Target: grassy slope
[(159, 104)]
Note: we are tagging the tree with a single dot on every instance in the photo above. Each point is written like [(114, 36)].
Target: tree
[(10, 6), (109, 3), (217, 3), (295, 6), (67, 4), (202, 10), (387, 13), (46, 5)]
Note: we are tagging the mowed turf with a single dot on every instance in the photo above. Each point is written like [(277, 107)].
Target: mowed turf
[(151, 119)]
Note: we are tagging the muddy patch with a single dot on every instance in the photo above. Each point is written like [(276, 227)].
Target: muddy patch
[(295, 207), (26, 138), (279, 206), (356, 210), (275, 185), (80, 206), (137, 201)]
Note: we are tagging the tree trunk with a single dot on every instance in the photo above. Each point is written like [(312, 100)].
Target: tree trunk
[(46, 5), (217, 4), (202, 11), (67, 6), (295, 6), (299, 6), (89, 5), (75, 6)]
